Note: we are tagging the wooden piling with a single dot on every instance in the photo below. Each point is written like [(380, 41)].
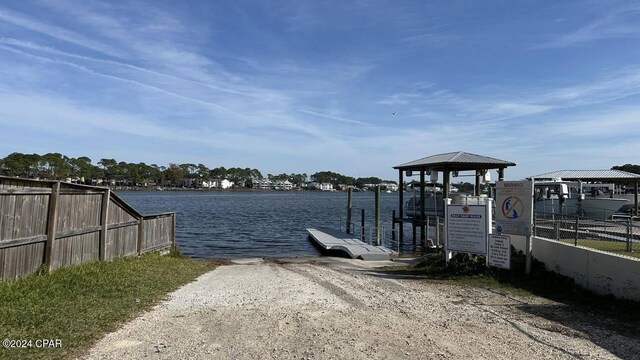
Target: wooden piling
[(362, 225), (377, 215), (393, 225), (349, 208), (423, 208)]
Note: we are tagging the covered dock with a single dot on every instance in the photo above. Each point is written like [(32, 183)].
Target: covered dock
[(617, 177), (447, 163)]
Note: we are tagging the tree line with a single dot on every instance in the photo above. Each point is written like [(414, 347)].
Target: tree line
[(56, 166)]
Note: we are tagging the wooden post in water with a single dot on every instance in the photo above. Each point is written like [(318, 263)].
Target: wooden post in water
[(393, 225), (362, 225), (414, 227), (349, 207), (423, 208), (400, 207), (52, 226), (377, 215)]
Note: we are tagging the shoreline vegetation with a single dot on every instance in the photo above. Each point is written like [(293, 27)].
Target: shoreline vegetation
[(113, 173)]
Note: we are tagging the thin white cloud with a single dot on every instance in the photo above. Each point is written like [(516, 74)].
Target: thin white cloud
[(332, 117), (56, 32), (619, 23)]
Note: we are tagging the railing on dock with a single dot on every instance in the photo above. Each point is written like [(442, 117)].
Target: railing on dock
[(55, 224)]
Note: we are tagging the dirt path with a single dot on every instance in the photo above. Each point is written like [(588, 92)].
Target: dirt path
[(338, 308)]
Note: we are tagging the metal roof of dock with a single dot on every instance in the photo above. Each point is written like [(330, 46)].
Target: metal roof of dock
[(590, 175), (456, 161)]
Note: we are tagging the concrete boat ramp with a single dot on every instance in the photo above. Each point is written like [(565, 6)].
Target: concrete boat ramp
[(335, 240)]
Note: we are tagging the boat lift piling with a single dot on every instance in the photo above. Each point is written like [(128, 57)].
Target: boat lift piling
[(349, 209), (377, 215)]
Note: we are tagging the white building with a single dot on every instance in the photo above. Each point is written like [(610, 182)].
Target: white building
[(326, 187)]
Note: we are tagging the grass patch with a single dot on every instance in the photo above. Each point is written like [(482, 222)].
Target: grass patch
[(616, 247), (79, 304), (470, 270)]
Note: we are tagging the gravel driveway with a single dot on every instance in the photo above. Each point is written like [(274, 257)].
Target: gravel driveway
[(338, 308)]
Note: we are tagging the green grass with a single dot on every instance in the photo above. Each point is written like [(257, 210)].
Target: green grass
[(470, 270), (616, 247), (81, 303)]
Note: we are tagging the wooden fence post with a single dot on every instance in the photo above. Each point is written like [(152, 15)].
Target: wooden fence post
[(140, 235), (52, 226), (173, 233), (104, 219)]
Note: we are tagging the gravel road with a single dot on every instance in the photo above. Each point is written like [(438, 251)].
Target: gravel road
[(326, 308)]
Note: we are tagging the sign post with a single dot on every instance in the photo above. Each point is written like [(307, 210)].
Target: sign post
[(514, 211)]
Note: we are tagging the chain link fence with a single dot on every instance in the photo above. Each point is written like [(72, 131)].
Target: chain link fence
[(619, 235)]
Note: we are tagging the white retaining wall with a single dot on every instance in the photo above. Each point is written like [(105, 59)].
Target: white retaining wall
[(598, 271)]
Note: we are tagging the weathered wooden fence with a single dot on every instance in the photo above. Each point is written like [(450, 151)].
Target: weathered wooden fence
[(57, 224)]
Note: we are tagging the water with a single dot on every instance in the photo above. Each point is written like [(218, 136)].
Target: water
[(231, 224)]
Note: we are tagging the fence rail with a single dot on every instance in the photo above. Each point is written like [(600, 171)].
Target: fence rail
[(54, 224), (619, 235)]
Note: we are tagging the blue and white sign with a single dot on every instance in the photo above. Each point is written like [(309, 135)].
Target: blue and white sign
[(514, 207)]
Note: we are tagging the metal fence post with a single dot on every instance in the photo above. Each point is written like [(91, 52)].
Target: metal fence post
[(426, 240), (438, 229), (577, 223), (629, 232)]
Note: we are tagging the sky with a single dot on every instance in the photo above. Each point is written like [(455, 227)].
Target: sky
[(354, 87)]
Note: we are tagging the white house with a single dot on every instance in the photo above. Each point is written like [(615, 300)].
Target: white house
[(326, 187), (225, 184)]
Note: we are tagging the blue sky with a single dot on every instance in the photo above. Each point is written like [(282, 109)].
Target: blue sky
[(306, 86)]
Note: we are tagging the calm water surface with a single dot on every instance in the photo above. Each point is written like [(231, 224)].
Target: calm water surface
[(228, 224)]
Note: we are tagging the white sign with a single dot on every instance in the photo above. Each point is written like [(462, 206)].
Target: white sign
[(467, 229), (499, 254), (514, 207)]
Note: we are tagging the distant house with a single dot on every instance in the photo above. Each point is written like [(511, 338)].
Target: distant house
[(219, 184), (390, 186), (283, 185), (326, 187), (262, 184), (225, 184), (208, 184)]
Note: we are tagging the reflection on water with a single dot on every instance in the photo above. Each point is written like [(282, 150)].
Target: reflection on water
[(212, 224)]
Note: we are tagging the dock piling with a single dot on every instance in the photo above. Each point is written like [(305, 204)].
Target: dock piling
[(393, 225), (377, 215), (362, 225), (349, 208)]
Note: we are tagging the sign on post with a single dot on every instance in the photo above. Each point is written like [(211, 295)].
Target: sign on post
[(499, 254), (514, 207), (467, 229)]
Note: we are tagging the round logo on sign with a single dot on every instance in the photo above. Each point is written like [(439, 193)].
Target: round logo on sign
[(499, 228), (512, 207)]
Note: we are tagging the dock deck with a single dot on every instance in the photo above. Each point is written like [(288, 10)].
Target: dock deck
[(329, 239)]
